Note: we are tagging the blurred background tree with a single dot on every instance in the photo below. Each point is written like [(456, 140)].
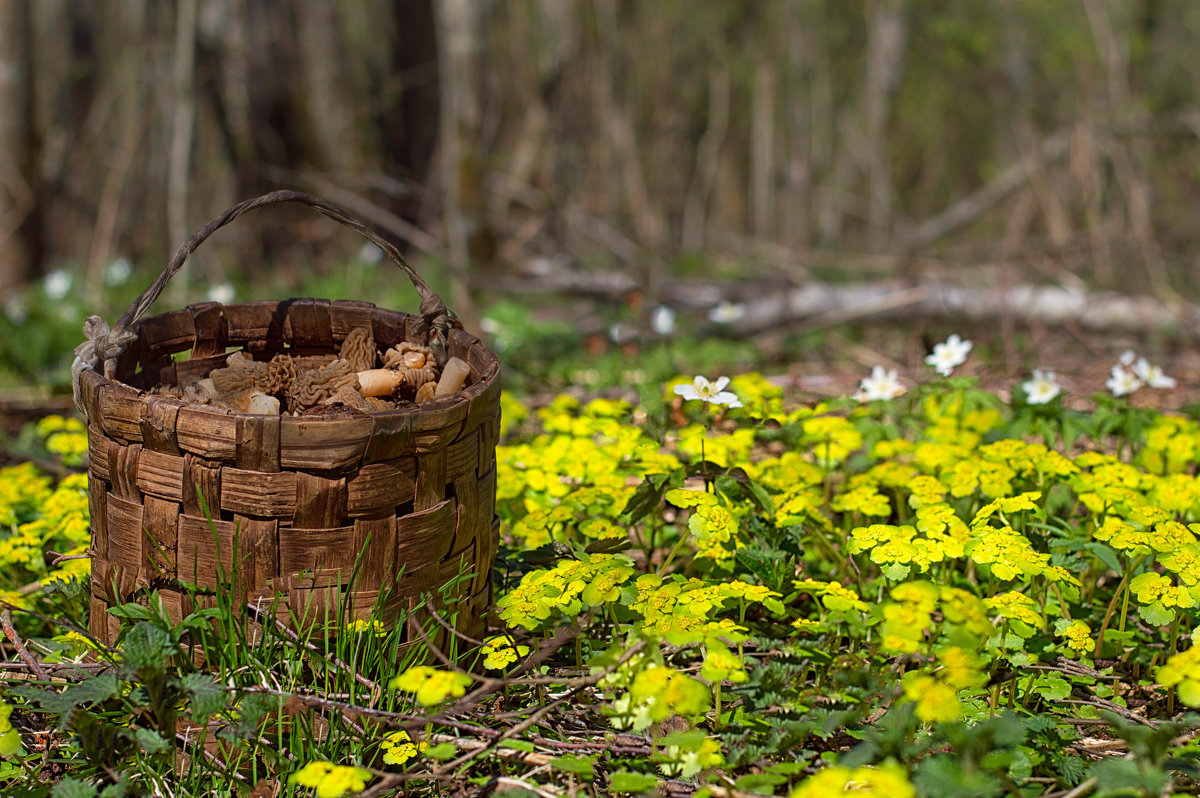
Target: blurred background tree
[(654, 139)]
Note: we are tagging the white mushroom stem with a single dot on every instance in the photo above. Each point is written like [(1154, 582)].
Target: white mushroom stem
[(454, 374), (262, 404), (379, 382)]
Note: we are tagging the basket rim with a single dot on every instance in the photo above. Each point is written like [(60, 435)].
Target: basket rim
[(464, 396)]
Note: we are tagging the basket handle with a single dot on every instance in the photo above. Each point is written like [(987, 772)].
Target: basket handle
[(104, 345)]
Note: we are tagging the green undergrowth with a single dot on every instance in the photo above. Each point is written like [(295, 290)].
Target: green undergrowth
[(941, 594)]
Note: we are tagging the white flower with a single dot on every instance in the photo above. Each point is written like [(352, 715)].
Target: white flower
[(1152, 375), (880, 385), (1127, 357), (370, 254), (727, 313), (1122, 382), (662, 320), (947, 355), (56, 284), (1042, 388), (221, 292), (712, 392), (117, 272)]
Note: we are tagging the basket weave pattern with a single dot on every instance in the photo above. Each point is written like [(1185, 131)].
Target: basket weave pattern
[(309, 515), (294, 500)]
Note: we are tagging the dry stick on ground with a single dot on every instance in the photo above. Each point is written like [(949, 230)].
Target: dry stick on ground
[(19, 645), (538, 714)]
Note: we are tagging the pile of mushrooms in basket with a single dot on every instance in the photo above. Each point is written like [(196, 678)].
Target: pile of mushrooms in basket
[(359, 379)]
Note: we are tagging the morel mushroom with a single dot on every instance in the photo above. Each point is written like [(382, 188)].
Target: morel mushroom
[(351, 398), (281, 371), (359, 349), (310, 387), (241, 374)]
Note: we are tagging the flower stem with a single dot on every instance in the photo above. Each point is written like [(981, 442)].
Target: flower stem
[(1121, 593)]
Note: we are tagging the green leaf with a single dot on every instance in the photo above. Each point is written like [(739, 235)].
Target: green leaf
[(133, 611), (580, 765), (625, 781), (71, 787), (1052, 687), (150, 741), (95, 690), (442, 751), (147, 647), (895, 571), (1105, 555), (761, 782), (645, 499), (1156, 614), (609, 545), (518, 745), (207, 697), (686, 740)]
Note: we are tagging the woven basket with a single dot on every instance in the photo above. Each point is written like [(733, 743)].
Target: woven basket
[(296, 502)]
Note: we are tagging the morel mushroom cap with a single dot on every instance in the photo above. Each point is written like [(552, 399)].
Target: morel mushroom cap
[(280, 373), (241, 374), (359, 349), (310, 387), (348, 396)]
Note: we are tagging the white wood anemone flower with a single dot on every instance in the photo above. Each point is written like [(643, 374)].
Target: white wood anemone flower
[(881, 385), (1042, 388), (950, 353), (1122, 382), (1152, 375), (711, 392)]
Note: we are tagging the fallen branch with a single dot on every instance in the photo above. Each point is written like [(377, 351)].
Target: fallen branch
[(19, 645)]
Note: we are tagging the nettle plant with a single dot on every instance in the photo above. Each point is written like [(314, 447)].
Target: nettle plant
[(916, 590)]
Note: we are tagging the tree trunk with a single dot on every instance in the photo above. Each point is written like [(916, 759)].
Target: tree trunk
[(19, 233)]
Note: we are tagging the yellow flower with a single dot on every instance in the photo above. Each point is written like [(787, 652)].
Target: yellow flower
[(431, 686), (831, 438), (501, 651), (722, 664), (1016, 606), (1182, 671), (936, 702), (833, 595), (358, 625), (866, 500), (398, 747), (960, 668), (886, 781), (330, 780), (1078, 636)]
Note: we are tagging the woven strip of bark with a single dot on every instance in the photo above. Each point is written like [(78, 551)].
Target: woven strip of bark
[(288, 507)]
